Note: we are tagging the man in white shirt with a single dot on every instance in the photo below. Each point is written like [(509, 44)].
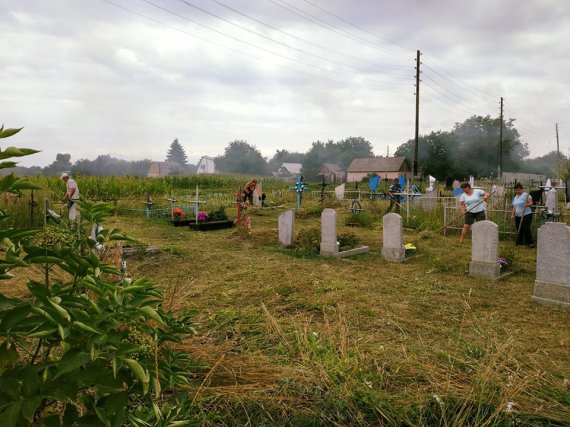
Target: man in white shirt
[(552, 200), (71, 196)]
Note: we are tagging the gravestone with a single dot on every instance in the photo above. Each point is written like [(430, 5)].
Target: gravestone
[(429, 200), (393, 241), (339, 192), (484, 250), (286, 231), (329, 244), (257, 200), (552, 284)]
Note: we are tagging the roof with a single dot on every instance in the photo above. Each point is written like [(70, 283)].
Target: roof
[(331, 167), (377, 164), (292, 168)]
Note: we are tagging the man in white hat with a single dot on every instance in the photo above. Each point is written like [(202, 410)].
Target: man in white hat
[(71, 196)]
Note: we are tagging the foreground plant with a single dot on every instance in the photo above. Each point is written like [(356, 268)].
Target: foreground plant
[(92, 349)]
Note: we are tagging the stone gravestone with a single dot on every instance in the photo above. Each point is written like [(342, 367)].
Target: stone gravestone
[(257, 201), (393, 241), (429, 200), (484, 250), (552, 284), (339, 192), (329, 245), (286, 231)]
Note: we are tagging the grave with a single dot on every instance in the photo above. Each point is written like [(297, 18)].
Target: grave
[(393, 240), (429, 200), (329, 244), (552, 284), (339, 192), (484, 250), (258, 196), (286, 230), (299, 187)]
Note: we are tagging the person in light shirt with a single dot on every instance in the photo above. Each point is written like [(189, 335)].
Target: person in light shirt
[(471, 204), (71, 197), (521, 212)]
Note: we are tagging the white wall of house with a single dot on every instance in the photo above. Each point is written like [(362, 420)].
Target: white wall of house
[(206, 165)]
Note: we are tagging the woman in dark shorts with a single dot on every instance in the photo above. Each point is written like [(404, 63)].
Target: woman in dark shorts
[(471, 205)]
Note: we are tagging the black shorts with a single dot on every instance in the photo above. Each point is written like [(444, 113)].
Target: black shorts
[(471, 217)]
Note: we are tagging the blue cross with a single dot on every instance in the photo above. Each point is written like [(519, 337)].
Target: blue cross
[(299, 187)]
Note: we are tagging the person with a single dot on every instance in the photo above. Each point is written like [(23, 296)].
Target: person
[(522, 214), (471, 205), (248, 190), (394, 198), (71, 196), (551, 200)]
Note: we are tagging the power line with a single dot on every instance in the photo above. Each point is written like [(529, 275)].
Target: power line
[(264, 49), (332, 27), (346, 55), (256, 58)]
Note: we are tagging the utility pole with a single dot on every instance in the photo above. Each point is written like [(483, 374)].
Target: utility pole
[(415, 171), (558, 148), (501, 143)]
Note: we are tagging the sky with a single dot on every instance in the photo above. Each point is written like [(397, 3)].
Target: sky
[(127, 77)]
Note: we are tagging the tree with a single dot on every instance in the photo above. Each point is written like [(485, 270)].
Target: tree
[(177, 154), (241, 157), (284, 156), (62, 164), (545, 165), (342, 153), (470, 148)]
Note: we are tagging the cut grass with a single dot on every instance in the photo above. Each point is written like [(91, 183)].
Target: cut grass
[(320, 341)]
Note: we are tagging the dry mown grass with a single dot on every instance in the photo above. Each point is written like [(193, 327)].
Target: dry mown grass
[(318, 341)]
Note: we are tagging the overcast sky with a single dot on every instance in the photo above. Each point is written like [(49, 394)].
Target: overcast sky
[(126, 77)]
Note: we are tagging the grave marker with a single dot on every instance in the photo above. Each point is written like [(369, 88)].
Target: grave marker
[(393, 241), (286, 231), (552, 284), (339, 192), (257, 196), (429, 200), (329, 245), (484, 250)]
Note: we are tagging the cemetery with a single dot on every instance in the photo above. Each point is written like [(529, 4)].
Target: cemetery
[(292, 322)]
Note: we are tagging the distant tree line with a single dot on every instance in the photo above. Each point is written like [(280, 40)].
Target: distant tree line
[(470, 148)]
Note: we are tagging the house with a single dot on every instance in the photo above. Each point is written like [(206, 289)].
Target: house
[(384, 167), (331, 173), (289, 171), (206, 165), (159, 169)]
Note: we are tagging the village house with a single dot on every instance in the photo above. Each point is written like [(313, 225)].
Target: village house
[(384, 167), (331, 173), (206, 165)]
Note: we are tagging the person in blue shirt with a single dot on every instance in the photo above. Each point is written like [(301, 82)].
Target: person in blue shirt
[(394, 198), (471, 205), (522, 212)]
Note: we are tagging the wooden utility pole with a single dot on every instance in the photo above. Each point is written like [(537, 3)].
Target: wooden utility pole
[(415, 171), (501, 143), (558, 148)]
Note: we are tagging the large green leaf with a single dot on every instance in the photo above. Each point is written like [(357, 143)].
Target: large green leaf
[(72, 360), (5, 133)]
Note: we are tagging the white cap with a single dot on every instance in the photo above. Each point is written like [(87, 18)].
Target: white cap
[(64, 175)]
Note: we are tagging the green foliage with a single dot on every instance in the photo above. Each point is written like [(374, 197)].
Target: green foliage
[(241, 157), (471, 148), (307, 242), (177, 154), (362, 219), (341, 153), (92, 349), (218, 214), (348, 241)]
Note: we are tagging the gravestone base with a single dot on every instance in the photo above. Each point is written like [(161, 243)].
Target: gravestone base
[(554, 294), (490, 270), (350, 252), (394, 254), (329, 248)]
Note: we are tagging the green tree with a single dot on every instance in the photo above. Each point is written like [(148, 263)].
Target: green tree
[(284, 156), (545, 165), (342, 153), (86, 346), (241, 157), (62, 164), (177, 154)]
